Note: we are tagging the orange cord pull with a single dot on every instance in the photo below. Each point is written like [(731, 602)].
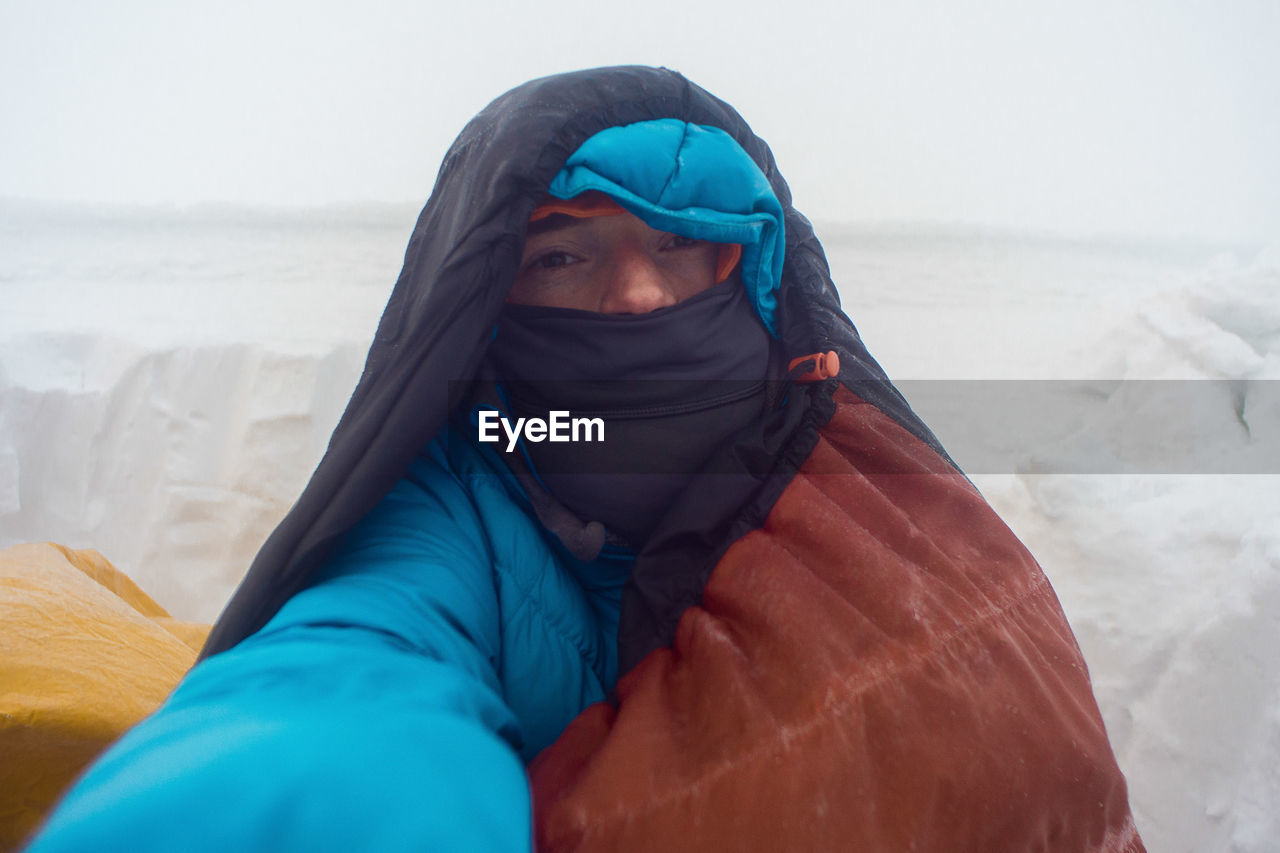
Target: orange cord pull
[(825, 365)]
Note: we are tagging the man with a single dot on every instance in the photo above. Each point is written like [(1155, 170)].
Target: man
[(765, 613)]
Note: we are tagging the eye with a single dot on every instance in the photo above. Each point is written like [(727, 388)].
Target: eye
[(676, 241), (552, 260)]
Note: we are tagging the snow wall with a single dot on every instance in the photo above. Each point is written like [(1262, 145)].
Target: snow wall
[(174, 447)]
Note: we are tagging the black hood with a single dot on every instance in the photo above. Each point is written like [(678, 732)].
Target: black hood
[(461, 260)]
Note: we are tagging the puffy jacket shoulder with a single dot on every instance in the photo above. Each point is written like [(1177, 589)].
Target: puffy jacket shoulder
[(452, 566)]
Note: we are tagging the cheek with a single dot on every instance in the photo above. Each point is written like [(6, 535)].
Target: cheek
[(561, 288), (695, 270)]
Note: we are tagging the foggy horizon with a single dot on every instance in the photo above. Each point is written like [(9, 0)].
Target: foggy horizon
[(1148, 121)]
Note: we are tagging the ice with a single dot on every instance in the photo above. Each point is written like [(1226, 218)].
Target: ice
[(169, 379)]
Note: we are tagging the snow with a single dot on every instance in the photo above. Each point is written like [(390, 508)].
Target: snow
[(168, 379)]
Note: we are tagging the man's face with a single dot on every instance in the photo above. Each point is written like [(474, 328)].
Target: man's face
[(610, 264)]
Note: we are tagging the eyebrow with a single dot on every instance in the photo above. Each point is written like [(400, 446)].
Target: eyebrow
[(554, 222)]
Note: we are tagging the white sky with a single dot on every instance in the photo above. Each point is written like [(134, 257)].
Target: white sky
[(1083, 117)]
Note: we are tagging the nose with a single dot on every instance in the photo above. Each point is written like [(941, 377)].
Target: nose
[(636, 284)]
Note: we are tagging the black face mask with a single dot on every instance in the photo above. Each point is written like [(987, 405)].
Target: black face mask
[(668, 386)]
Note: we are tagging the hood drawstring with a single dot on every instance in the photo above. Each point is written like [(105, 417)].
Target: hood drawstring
[(583, 539), (814, 367)]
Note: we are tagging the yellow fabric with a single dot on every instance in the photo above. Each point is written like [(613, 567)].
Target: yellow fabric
[(84, 655)]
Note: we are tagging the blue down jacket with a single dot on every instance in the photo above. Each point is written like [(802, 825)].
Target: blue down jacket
[(375, 711)]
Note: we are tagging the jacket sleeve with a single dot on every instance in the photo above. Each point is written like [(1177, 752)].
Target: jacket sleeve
[(367, 715)]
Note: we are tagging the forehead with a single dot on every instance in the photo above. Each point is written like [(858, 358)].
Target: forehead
[(563, 222)]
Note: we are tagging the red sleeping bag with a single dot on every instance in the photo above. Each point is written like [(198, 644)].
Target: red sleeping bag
[(881, 666)]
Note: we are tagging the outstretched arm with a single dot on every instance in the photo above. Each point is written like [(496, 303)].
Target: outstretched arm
[(367, 715)]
